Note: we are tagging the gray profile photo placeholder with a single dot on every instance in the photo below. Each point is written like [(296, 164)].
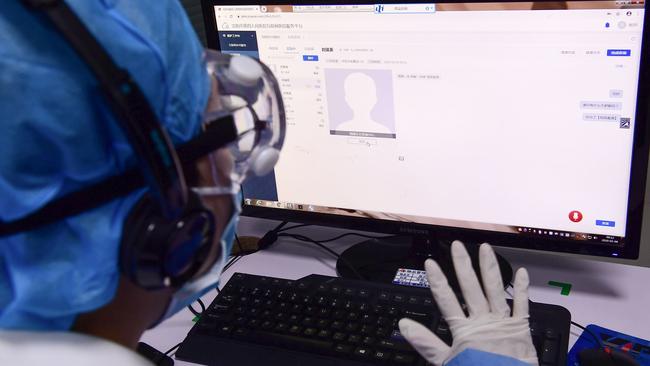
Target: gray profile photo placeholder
[(360, 102)]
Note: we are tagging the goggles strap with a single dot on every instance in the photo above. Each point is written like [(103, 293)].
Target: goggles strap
[(217, 135)]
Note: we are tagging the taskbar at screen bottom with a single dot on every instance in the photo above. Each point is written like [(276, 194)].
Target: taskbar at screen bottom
[(531, 232)]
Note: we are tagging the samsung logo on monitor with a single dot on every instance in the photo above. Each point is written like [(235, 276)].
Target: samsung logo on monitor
[(408, 230)]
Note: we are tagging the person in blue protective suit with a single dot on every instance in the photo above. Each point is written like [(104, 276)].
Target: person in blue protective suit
[(74, 289), (63, 295)]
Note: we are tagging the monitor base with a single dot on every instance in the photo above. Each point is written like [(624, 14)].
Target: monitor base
[(379, 259)]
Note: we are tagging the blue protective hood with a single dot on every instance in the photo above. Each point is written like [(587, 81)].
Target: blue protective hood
[(58, 136)]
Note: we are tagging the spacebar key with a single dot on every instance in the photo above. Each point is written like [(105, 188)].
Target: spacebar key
[(291, 342)]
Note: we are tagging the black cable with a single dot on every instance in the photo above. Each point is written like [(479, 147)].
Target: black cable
[(318, 243), (354, 234), (600, 344), (241, 249), (196, 313), (231, 262), (280, 226), (201, 304), (292, 227), (172, 349)]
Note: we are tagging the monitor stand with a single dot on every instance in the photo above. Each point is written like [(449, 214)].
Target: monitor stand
[(379, 259)]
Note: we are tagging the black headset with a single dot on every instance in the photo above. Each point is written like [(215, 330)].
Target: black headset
[(168, 234)]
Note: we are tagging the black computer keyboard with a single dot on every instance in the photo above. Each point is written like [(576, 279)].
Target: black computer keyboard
[(321, 320)]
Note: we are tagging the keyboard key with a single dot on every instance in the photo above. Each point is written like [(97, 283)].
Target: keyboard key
[(295, 329), (367, 329), (343, 349), (311, 310), (240, 332), (367, 319), (413, 300), (224, 329), (354, 339), (368, 341), (322, 301), (393, 311), (323, 323), (324, 334), (281, 327), (364, 293), (339, 337), (310, 332), (394, 345), (307, 321), (254, 323), (381, 356), (351, 327), (402, 358), (550, 334), (549, 352), (362, 352), (323, 312)]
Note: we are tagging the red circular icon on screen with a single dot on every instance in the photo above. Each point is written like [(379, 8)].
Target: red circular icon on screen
[(575, 216)]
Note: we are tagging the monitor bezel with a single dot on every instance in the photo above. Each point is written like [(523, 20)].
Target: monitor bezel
[(636, 194)]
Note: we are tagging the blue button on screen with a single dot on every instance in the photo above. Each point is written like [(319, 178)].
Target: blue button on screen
[(310, 57), (605, 223), (619, 53)]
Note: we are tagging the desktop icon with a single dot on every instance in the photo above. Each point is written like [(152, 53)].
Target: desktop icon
[(575, 216), (248, 201)]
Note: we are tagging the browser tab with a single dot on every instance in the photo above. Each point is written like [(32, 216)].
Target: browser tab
[(404, 8), (332, 8)]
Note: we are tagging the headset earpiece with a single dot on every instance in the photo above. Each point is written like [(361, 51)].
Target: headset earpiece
[(157, 252)]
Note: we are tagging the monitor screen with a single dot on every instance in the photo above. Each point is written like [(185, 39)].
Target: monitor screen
[(518, 120)]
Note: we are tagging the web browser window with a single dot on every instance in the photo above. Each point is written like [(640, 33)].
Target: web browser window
[(496, 116)]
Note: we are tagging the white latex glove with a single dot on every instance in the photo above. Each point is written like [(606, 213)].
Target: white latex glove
[(489, 327)]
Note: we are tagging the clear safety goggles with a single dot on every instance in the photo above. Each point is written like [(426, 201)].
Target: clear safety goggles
[(246, 95)]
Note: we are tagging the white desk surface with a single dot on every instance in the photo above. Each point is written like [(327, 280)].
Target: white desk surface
[(611, 295)]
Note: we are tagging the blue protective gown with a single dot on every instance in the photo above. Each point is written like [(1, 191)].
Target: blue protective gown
[(472, 357), (58, 135)]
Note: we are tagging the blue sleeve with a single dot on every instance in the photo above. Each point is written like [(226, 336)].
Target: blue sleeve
[(472, 357)]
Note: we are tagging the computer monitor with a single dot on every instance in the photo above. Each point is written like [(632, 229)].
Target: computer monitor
[(522, 124)]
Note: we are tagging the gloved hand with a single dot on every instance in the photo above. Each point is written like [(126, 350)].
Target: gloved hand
[(489, 327)]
